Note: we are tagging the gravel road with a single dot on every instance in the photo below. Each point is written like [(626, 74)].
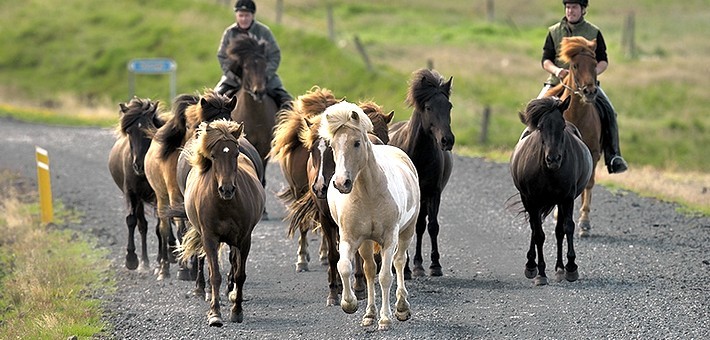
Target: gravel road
[(643, 274)]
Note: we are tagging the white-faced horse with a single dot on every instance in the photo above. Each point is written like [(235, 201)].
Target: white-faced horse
[(374, 198)]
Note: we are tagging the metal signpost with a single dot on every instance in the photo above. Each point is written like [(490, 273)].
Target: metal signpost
[(151, 66)]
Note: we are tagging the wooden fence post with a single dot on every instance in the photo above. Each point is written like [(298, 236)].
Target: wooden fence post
[(279, 10), (484, 125), (628, 39), (430, 64), (363, 53), (331, 22), (490, 10)]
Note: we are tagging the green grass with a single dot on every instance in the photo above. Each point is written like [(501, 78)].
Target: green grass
[(49, 277), (81, 50)]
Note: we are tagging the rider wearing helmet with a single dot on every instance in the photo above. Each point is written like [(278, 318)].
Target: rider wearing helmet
[(245, 23), (573, 24)]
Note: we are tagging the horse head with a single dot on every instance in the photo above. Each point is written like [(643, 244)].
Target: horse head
[(217, 150), (139, 123), (249, 61), (429, 95), (545, 116), (579, 53)]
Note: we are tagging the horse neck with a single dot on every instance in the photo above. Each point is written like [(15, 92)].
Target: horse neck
[(416, 135), (577, 110), (371, 175)]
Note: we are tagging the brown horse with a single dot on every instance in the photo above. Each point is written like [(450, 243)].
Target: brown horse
[(288, 150), (550, 167), (254, 107), (162, 159), (427, 138), (224, 200), (581, 86), (139, 121)]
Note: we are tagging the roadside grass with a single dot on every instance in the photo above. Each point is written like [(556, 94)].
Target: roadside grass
[(50, 278)]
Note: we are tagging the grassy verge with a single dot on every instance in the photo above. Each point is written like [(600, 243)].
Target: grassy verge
[(49, 278)]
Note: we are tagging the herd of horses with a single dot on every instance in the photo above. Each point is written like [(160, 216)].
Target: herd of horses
[(366, 184)]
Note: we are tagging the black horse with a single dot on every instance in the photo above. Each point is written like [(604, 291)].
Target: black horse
[(138, 123), (550, 167), (427, 139)]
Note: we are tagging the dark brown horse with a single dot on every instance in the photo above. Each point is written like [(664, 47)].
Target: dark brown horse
[(138, 123), (224, 200), (581, 87), (427, 138), (550, 167), (162, 159), (254, 107)]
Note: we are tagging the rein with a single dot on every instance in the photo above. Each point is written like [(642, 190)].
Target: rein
[(580, 89)]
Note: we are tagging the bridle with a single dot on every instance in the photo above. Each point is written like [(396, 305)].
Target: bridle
[(580, 89)]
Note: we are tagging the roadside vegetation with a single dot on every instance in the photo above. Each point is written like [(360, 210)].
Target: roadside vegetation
[(74, 61), (50, 278)]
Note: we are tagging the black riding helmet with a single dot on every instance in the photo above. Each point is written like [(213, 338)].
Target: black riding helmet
[(583, 3), (245, 5)]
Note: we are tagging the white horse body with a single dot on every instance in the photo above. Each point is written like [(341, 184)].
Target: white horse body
[(374, 197)]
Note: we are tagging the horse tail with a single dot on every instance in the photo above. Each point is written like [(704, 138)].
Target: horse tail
[(302, 213), (191, 244)]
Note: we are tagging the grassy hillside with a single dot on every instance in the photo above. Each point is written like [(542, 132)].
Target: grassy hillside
[(79, 49)]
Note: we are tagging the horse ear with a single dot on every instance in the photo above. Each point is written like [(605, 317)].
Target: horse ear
[(565, 104), (123, 107), (238, 132), (232, 103), (354, 116), (389, 117), (203, 102), (449, 84)]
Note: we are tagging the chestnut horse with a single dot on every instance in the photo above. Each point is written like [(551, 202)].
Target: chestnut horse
[(550, 167), (139, 121), (224, 200), (374, 198), (581, 86), (427, 138), (255, 108), (162, 159)]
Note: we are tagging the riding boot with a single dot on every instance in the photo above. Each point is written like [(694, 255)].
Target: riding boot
[(282, 98), (610, 135)]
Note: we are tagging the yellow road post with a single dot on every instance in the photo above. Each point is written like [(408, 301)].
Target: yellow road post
[(45, 187)]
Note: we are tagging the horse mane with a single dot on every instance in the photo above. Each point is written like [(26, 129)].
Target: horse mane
[(212, 106), (423, 85), (573, 46), (341, 115), (292, 130), (379, 119), (170, 137), (244, 46), (536, 109), (134, 110), (208, 134)]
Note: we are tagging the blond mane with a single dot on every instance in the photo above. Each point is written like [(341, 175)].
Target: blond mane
[(344, 114), (208, 134)]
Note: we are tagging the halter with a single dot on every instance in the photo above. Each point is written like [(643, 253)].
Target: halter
[(580, 89)]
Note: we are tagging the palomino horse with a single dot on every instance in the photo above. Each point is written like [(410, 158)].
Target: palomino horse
[(550, 167), (254, 107), (139, 122), (427, 138), (288, 150), (224, 200), (321, 167), (581, 86), (162, 159), (374, 199)]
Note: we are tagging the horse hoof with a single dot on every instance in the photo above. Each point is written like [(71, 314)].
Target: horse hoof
[(540, 280), (418, 272), (530, 272), (585, 229), (560, 274), (324, 261), (131, 261), (208, 297), (200, 293), (368, 321), (329, 302), (385, 325), (572, 276), (435, 271), (215, 321), (264, 216), (184, 275), (403, 315), (236, 317), (301, 267), (348, 308), (163, 276)]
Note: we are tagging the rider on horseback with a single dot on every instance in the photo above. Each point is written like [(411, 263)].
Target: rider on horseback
[(573, 24), (245, 23)]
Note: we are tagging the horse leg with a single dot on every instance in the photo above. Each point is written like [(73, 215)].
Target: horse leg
[(367, 255), (200, 280), (571, 273), (360, 285), (265, 162), (402, 311), (385, 285), (433, 229), (143, 230), (172, 242), (214, 316), (348, 301), (323, 251), (585, 224), (163, 249), (184, 272), (303, 256), (131, 258), (330, 235), (559, 236), (236, 296), (539, 238), (421, 227)]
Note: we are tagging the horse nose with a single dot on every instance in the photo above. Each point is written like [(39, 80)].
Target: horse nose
[(319, 190), (345, 187), (226, 192), (447, 143), (138, 168), (590, 91), (553, 161)]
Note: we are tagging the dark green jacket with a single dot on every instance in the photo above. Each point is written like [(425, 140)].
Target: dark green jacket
[(563, 29)]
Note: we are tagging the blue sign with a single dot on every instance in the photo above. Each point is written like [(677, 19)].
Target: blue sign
[(152, 66)]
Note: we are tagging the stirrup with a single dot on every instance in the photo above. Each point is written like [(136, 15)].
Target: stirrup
[(617, 169)]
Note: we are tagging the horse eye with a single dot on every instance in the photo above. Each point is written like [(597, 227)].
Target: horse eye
[(357, 144)]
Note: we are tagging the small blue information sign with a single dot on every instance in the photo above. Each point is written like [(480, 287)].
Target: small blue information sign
[(152, 66)]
